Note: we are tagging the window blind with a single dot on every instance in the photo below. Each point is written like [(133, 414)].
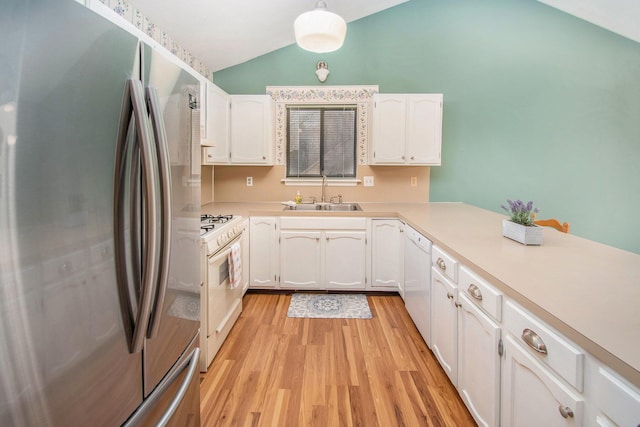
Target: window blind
[(321, 141)]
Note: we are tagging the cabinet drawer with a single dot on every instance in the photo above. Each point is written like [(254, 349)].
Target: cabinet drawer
[(445, 264), (561, 356), (481, 293), (322, 223), (616, 399)]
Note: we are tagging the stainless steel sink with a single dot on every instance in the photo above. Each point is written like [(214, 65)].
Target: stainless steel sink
[(304, 207), (340, 207)]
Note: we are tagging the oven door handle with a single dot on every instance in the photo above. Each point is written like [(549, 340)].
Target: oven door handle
[(226, 250)]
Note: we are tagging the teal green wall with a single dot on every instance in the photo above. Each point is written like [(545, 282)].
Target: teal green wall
[(539, 105)]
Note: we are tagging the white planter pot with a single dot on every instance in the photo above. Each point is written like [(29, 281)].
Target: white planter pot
[(521, 233)]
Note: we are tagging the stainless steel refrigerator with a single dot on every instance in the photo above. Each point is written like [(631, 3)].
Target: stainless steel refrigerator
[(99, 224)]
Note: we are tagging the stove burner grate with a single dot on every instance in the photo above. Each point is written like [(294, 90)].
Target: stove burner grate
[(215, 219)]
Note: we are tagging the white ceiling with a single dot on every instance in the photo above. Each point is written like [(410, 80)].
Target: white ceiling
[(222, 33)]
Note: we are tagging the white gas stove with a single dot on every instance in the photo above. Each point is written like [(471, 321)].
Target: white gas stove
[(217, 230), (221, 300)]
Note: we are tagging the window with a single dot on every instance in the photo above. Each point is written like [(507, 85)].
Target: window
[(321, 141)]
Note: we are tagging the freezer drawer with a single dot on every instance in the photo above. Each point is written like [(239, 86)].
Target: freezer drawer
[(176, 400)]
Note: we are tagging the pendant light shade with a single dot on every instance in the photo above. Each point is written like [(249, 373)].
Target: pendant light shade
[(320, 30)]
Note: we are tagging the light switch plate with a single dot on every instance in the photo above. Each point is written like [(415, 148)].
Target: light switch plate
[(368, 181), (414, 181)]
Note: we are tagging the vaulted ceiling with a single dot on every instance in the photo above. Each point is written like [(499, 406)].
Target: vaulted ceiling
[(222, 33)]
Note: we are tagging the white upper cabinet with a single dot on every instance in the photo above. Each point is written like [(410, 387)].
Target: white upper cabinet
[(251, 130), (407, 129), (215, 127)]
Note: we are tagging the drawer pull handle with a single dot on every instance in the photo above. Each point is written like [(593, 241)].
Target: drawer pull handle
[(534, 341), (457, 304), (474, 291), (565, 411), (449, 295), (441, 264)]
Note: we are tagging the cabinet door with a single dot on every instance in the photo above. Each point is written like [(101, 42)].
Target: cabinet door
[(251, 129), (300, 260), (388, 139), (217, 123), (478, 362), (617, 400), (263, 252), (386, 255), (424, 129), (345, 259), (533, 396), (444, 324)]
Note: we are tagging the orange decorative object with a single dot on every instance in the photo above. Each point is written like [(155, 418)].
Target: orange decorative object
[(553, 223)]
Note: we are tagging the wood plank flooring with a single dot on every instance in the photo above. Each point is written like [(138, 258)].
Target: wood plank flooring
[(278, 371)]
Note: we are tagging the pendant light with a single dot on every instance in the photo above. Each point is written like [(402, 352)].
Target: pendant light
[(319, 30)]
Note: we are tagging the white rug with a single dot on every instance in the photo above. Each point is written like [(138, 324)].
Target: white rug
[(329, 306)]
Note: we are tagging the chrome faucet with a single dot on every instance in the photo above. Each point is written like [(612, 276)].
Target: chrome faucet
[(324, 182)]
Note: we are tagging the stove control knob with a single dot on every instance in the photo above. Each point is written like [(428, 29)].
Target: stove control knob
[(230, 234), (220, 240)]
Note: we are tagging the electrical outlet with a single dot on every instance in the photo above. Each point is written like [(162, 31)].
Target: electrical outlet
[(368, 181), (414, 181), (249, 181)]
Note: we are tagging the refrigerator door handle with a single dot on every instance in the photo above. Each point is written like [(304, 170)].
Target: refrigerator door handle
[(162, 151), (135, 325), (190, 363)]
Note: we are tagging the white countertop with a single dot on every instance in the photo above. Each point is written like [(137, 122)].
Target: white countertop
[(588, 291)]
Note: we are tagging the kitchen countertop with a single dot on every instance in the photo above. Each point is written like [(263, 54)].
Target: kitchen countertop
[(586, 290)]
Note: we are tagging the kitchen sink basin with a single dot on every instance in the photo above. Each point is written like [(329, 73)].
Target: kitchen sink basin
[(304, 207), (342, 207), (339, 207)]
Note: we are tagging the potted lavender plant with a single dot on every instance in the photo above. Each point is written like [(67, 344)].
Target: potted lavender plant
[(521, 227)]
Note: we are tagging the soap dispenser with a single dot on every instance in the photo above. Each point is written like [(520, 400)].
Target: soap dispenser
[(298, 198)]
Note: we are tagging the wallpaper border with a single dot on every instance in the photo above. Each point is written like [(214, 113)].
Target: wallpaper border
[(362, 96)]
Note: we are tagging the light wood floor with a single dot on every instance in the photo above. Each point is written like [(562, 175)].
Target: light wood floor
[(278, 371)]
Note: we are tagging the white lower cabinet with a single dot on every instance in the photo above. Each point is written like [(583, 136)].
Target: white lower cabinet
[(478, 362), (444, 324), (263, 252), (345, 259), (387, 255), (330, 256), (533, 396), (300, 259), (616, 401)]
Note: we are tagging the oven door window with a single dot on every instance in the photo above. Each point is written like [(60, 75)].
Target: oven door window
[(223, 272)]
